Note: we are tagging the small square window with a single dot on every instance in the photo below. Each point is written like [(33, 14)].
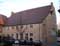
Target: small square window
[(26, 34), (31, 34), (21, 26), (44, 24), (17, 27), (12, 27), (51, 11), (31, 25)]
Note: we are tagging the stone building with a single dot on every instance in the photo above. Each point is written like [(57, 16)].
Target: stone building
[(38, 24)]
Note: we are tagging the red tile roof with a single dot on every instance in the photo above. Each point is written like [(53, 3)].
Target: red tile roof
[(2, 19)]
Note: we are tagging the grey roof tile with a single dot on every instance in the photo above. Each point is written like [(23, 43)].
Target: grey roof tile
[(31, 16)]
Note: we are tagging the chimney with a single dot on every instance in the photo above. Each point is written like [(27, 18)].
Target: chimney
[(52, 8), (12, 13), (51, 3)]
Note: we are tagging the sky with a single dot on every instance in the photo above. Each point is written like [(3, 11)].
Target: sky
[(7, 6)]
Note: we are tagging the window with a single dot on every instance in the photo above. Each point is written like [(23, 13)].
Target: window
[(51, 11), (31, 34), (21, 36), (16, 35), (31, 25), (17, 27), (12, 27), (58, 33), (26, 36), (21, 26)]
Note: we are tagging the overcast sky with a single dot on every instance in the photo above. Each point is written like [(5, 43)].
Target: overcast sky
[(6, 6)]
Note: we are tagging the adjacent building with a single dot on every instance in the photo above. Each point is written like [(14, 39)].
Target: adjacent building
[(2, 22)]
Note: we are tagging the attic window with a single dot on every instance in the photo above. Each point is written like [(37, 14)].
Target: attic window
[(17, 35)]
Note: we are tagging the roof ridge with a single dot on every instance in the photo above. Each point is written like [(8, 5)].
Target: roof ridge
[(33, 9)]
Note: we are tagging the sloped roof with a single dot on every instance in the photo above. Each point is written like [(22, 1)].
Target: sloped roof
[(31, 16), (3, 19)]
